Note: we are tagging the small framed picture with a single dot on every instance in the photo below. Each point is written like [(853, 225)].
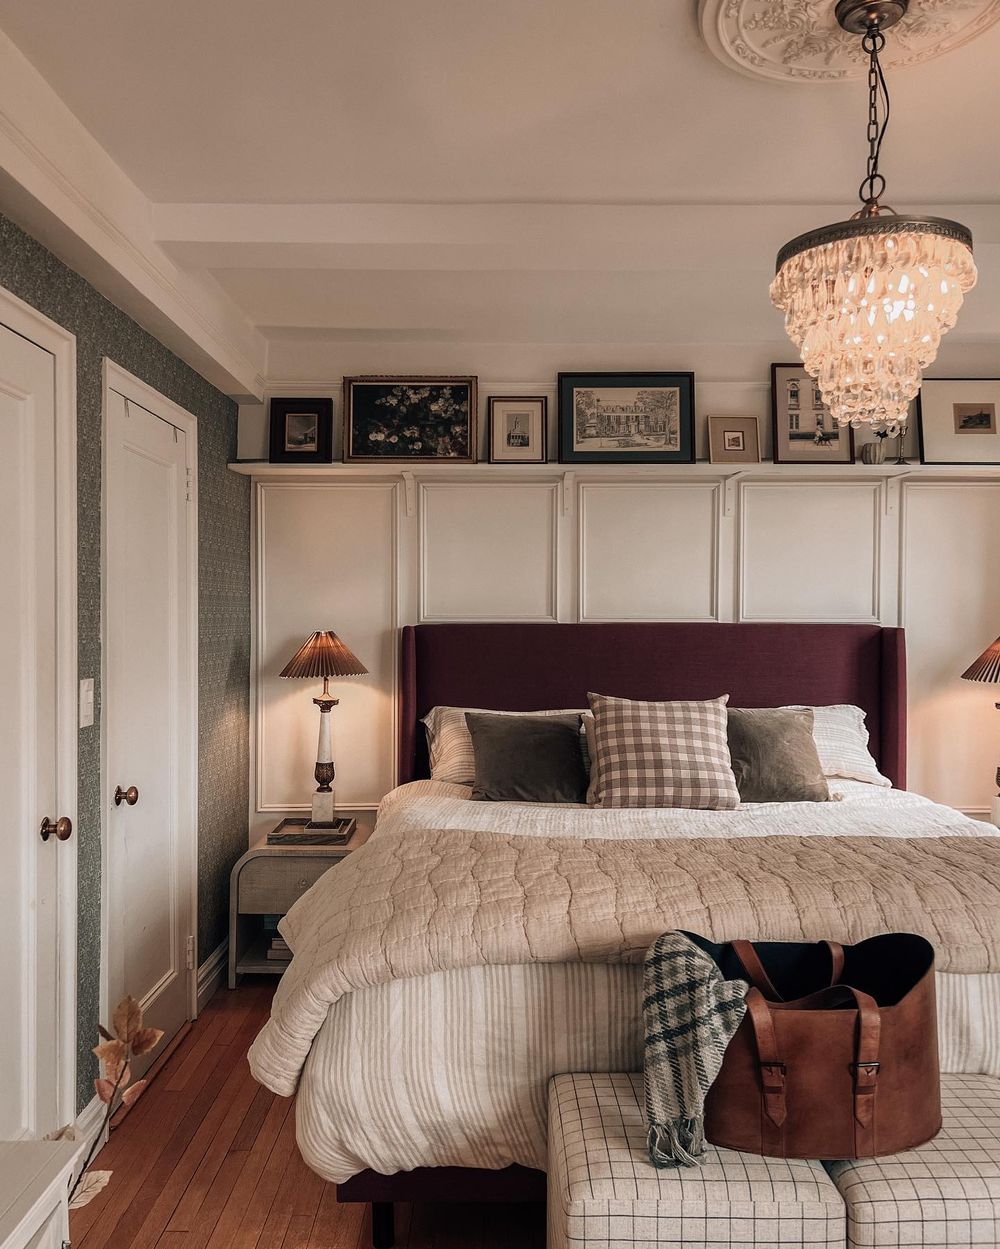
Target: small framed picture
[(957, 420), (409, 418), (301, 431), (516, 429), (803, 429), (626, 418), (733, 440)]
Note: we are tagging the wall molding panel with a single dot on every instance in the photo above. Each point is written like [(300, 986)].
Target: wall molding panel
[(828, 534), (365, 549), (488, 550), (648, 550)]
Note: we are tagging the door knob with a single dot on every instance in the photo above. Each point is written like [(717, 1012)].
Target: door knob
[(62, 828), (129, 796)]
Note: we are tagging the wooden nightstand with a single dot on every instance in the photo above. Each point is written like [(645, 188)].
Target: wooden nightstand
[(267, 880)]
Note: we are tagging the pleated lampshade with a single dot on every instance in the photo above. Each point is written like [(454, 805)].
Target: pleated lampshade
[(987, 666), (324, 655)]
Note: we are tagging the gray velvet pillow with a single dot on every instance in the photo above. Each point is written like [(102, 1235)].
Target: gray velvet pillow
[(527, 758), (774, 756)]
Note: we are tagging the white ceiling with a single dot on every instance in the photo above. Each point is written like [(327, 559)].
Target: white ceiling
[(387, 134)]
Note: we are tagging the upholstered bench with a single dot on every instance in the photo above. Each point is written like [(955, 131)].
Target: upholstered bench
[(944, 1193), (604, 1193)]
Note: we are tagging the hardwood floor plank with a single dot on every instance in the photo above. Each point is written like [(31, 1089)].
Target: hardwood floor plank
[(209, 1147), (336, 1226), (237, 1208), (299, 1229), (252, 1121)]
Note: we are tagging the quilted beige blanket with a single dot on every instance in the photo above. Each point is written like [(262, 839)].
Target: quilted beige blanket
[(443, 899)]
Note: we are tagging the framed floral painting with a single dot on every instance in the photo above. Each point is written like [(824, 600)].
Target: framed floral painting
[(409, 419)]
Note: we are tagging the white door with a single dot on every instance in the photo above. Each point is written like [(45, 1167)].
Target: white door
[(148, 712), (29, 736)]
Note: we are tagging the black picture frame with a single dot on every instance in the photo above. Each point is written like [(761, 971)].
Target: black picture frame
[(797, 366), (392, 408), (571, 453), (317, 439)]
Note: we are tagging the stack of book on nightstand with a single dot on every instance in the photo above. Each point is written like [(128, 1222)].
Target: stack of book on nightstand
[(278, 950)]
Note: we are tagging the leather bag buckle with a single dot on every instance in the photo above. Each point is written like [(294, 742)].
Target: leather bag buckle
[(776, 1072)]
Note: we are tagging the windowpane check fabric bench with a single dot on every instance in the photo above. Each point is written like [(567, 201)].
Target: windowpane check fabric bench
[(604, 1193), (943, 1194)]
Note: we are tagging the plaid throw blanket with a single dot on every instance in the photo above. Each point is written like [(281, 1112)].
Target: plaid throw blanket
[(690, 1014)]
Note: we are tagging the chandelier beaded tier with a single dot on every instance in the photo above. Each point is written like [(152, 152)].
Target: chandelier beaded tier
[(867, 300)]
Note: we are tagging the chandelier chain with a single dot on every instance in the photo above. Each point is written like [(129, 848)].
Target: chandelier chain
[(873, 186)]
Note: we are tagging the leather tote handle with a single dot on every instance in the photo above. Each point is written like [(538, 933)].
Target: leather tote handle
[(754, 968), (758, 977), (866, 1063)]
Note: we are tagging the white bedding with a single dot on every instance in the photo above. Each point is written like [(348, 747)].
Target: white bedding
[(451, 1069)]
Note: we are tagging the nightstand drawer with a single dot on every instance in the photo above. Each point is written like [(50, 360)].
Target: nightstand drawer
[(269, 885)]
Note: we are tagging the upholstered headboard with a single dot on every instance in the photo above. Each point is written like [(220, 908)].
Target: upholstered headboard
[(536, 667)]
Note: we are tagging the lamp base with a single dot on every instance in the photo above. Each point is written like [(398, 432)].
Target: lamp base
[(324, 810)]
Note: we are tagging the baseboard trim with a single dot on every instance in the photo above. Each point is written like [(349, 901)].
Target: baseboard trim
[(89, 1125), (212, 973)]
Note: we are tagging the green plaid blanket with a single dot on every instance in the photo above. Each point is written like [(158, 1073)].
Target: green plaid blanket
[(690, 1014)]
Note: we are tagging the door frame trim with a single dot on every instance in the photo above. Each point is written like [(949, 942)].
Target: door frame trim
[(116, 378), (31, 324)]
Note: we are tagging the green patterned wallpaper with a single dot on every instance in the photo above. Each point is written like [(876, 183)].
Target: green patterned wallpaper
[(40, 279)]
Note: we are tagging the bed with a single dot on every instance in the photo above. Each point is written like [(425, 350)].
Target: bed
[(431, 1086)]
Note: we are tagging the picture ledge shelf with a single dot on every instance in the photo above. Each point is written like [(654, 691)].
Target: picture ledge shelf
[(262, 470)]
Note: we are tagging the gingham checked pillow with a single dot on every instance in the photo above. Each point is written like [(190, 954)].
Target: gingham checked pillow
[(672, 754)]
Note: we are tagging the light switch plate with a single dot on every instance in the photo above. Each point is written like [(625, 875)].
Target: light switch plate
[(86, 702)]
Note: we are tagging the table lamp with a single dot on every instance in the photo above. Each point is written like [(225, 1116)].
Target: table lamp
[(324, 655), (987, 668)]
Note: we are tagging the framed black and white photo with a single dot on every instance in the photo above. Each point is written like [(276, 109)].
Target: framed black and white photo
[(301, 431), (409, 419), (516, 429), (733, 440), (957, 420), (803, 430), (626, 418)]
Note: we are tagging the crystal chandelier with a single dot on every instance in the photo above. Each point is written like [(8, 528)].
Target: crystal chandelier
[(866, 301)]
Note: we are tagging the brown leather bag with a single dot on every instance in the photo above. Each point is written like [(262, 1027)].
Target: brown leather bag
[(848, 1068)]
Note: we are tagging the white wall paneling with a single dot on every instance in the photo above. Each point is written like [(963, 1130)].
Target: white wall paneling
[(951, 612), (648, 550), (489, 549), (326, 559), (810, 550), (364, 549)]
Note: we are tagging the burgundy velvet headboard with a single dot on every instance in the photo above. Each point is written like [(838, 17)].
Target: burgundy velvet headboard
[(537, 667)]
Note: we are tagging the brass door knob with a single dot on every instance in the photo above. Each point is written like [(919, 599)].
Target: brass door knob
[(62, 828), (129, 796)]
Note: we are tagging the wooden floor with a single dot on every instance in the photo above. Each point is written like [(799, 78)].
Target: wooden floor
[(208, 1158)]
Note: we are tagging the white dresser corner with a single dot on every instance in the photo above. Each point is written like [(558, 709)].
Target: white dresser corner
[(34, 1193)]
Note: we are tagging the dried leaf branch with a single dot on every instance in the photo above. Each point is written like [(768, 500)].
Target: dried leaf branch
[(115, 1052)]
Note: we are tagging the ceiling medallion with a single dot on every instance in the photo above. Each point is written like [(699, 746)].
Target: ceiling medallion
[(867, 300), (801, 40)]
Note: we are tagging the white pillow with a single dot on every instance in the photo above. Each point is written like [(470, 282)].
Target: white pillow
[(841, 738), (449, 742)]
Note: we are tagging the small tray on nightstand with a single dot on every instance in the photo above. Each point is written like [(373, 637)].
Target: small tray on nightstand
[(294, 831)]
